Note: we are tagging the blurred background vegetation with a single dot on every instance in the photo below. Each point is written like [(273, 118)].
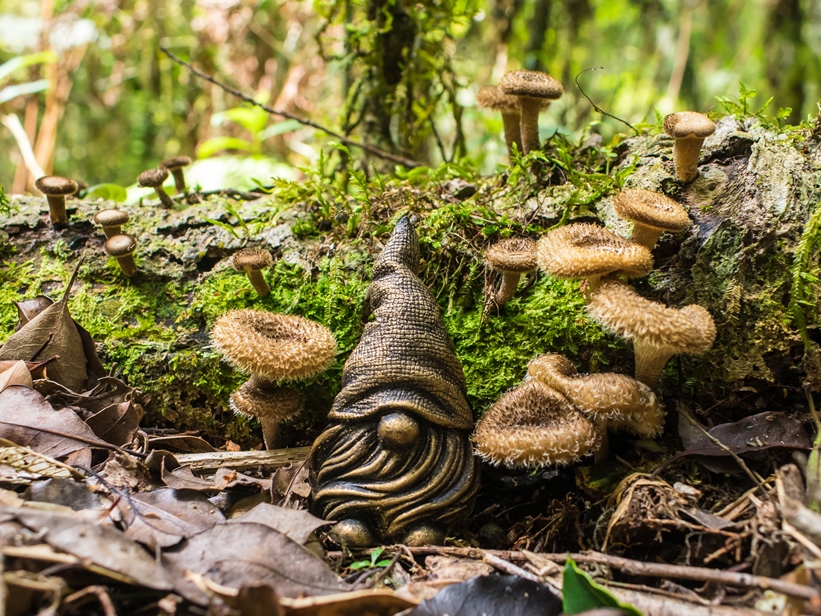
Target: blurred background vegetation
[(85, 84)]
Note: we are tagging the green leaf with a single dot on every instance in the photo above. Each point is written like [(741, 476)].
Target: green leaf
[(21, 89), (360, 564), (581, 593), (279, 128), (211, 146), (252, 119), (12, 65), (109, 192)]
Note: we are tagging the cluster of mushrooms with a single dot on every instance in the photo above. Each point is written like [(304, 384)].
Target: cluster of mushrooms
[(558, 415), (119, 245)]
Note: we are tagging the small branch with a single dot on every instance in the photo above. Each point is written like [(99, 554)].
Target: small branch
[(399, 160), (12, 122), (595, 106)]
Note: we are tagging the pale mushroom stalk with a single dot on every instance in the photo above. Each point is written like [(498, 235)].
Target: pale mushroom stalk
[(535, 91), (510, 282), (252, 261), (530, 123), (56, 188), (513, 132), (689, 129), (258, 282), (176, 166), (685, 157), (511, 258)]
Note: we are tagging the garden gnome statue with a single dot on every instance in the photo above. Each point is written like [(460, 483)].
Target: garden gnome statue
[(396, 465)]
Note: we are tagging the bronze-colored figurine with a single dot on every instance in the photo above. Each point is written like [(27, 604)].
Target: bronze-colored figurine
[(396, 463)]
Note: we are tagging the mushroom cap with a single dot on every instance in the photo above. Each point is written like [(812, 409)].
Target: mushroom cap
[(618, 398), (618, 308), (111, 218), (153, 177), (56, 185), (120, 245), (176, 162), (584, 249), (489, 97), (684, 124), (651, 209), (534, 425), (515, 254), (274, 346), (266, 402), (251, 258), (533, 84)]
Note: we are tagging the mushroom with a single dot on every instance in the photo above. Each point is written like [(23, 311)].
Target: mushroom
[(651, 213), (270, 404), (587, 251), (617, 399), (534, 425), (252, 261), (657, 332), (534, 90), (56, 188), (175, 166), (510, 257), (111, 221), (689, 129), (122, 248), (490, 97), (154, 178), (271, 347)]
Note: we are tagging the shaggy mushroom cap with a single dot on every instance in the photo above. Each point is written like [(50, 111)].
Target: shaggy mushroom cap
[(531, 84), (56, 186), (254, 259), (586, 250), (657, 332), (176, 163), (152, 178), (490, 97), (534, 425), (274, 346), (684, 124), (514, 255), (120, 246), (279, 403), (651, 213), (620, 400)]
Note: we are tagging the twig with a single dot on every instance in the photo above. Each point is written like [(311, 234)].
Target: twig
[(595, 106), (12, 122), (400, 160), (99, 592), (636, 568)]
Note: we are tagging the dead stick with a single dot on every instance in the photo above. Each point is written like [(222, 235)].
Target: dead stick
[(506, 567), (635, 567), (400, 160)]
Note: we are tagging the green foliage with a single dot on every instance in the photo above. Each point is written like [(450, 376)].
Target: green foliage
[(109, 192), (806, 274), (7, 69), (580, 593), (741, 108), (372, 563), (6, 208)]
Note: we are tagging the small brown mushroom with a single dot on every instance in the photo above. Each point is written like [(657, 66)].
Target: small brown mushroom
[(689, 129), (270, 404), (122, 248), (651, 213), (56, 188), (175, 166), (657, 332), (490, 97), (154, 178), (111, 221), (510, 257), (533, 89), (534, 425), (252, 261), (587, 251)]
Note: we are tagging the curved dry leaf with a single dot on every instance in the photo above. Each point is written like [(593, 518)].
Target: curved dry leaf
[(296, 524), (30, 308), (117, 423), (246, 554), (27, 419), (16, 374)]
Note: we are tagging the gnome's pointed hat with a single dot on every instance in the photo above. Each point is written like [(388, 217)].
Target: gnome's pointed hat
[(405, 360)]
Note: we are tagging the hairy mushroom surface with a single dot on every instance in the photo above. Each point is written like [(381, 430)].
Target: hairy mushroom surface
[(252, 261), (535, 90), (56, 188), (490, 97), (619, 400), (154, 178), (651, 213), (588, 251), (657, 332), (689, 129), (269, 404), (534, 425), (511, 257)]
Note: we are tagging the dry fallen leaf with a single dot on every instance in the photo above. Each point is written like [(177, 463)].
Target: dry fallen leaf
[(27, 419), (16, 374), (296, 524), (118, 423)]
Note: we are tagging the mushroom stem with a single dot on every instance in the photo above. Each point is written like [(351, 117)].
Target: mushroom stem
[(644, 235), (650, 362), (513, 131), (179, 179), (258, 282), (530, 123), (270, 431), (603, 452), (510, 282), (167, 203), (57, 209), (127, 264), (685, 157)]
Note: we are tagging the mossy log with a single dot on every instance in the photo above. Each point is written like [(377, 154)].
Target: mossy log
[(751, 258)]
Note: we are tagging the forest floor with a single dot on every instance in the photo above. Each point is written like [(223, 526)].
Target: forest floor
[(127, 486)]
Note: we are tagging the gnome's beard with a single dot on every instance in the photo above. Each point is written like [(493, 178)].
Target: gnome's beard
[(392, 472)]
